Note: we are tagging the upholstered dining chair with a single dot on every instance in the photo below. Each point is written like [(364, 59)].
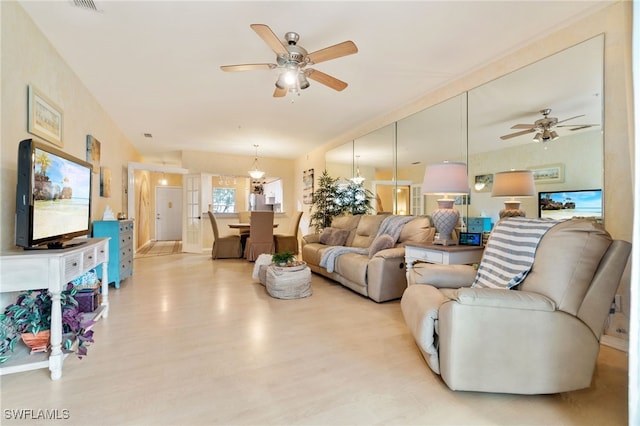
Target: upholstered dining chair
[(227, 247), (260, 235), (289, 241)]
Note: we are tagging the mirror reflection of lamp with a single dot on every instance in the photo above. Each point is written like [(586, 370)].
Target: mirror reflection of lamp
[(513, 183), (446, 178)]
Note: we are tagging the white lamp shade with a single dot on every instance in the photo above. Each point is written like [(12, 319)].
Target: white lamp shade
[(446, 178), (514, 183)]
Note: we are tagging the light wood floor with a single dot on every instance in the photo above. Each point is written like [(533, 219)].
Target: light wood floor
[(191, 341)]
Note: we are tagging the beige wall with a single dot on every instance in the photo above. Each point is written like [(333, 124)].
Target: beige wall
[(29, 58)]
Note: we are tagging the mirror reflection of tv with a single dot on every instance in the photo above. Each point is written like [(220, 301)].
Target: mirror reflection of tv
[(53, 197), (584, 203)]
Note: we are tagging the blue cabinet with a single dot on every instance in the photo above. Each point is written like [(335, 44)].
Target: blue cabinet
[(120, 247), (479, 224)]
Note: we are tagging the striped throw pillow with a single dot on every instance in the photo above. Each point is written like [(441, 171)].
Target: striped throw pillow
[(510, 252)]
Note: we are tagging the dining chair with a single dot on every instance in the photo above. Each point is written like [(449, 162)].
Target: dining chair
[(227, 247), (289, 241), (260, 235)]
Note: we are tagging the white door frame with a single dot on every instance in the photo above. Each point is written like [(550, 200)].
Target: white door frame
[(131, 182)]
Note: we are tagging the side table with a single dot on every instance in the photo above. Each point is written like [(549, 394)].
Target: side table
[(444, 255)]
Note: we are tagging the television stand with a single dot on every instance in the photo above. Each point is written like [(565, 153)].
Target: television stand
[(58, 245), (31, 270)]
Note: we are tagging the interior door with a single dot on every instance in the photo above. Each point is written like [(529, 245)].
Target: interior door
[(192, 224), (168, 213)]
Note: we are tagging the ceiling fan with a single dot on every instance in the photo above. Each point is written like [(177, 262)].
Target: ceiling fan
[(544, 127), (292, 61)]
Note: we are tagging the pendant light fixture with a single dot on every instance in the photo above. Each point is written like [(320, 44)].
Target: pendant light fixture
[(255, 172), (357, 179)]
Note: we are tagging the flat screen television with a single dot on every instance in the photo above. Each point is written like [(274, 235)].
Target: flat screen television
[(569, 204), (53, 197)]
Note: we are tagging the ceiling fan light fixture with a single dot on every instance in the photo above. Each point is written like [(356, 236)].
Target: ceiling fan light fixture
[(554, 135), (303, 83), (538, 137), (289, 77)]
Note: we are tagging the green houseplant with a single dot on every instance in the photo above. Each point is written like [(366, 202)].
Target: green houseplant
[(31, 314), (335, 197), (284, 258)]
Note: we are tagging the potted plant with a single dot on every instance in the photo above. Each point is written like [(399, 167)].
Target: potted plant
[(30, 316), (283, 259), (8, 337)]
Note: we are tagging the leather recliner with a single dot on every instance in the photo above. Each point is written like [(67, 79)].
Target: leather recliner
[(542, 337)]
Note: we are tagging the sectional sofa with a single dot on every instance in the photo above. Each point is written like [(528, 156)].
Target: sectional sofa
[(365, 253)]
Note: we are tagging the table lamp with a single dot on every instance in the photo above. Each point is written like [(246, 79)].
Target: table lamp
[(514, 183), (446, 178)]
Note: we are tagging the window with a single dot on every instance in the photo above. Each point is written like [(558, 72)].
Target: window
[(224, 200)]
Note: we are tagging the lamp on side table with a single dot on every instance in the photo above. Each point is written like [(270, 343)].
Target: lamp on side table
[(514, 183), (446, 178)]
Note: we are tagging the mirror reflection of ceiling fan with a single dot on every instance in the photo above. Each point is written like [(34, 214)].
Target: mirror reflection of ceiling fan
[(544, 126), (292, 61)]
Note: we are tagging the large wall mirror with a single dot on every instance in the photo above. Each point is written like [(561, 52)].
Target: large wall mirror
[(570, 83)]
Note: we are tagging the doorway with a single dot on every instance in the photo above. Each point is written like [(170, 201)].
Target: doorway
[(168, 213)]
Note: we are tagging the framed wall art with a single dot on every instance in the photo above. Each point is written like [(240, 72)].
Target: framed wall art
[(550, 173), (105, 182), (45, 118), (93, 153), (307, 186), (483, 183)]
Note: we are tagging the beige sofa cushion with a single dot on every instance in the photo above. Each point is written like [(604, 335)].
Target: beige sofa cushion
[(566, 260), (348, 222), (367, 230), (418, 230)]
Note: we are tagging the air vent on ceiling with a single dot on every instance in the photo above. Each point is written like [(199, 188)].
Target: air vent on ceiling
[(85, 4)]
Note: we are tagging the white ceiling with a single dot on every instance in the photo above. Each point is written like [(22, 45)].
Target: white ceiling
[(154, 65)]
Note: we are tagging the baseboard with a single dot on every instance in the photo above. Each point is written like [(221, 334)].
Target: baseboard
[(615, 342)]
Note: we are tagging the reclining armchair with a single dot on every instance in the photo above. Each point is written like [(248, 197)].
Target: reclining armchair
[(540, 337)]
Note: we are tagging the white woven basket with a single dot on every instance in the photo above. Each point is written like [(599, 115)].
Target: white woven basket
[(283, 284)]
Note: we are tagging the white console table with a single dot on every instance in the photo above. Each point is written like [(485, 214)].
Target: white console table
[(444, 255), (52, 269)]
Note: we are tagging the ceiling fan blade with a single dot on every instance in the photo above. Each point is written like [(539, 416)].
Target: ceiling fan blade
[(248, 67), (326, 79), (270, 38), (513, 135), (279, 93), (579, 126), (567, 119), (336, 51), (523, 126)]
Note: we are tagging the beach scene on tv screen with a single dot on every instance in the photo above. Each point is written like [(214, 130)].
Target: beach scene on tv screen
[(61, 196), (565, 205)]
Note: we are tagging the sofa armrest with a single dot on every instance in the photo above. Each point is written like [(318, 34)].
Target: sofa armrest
[(391, 253), (501, 298), (442, 276), (310, 238)]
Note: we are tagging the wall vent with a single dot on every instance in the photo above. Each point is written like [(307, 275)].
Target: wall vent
[(85, 4)]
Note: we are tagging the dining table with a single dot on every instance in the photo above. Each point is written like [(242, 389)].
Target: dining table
[(244, 226)]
